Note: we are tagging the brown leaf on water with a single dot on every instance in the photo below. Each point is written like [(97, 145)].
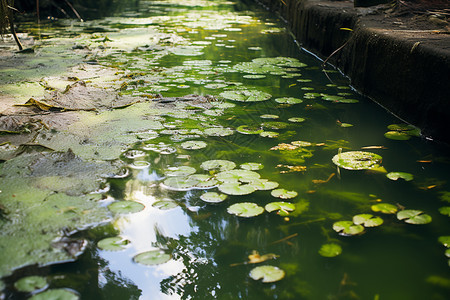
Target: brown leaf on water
[(319, 181), (373, 147)]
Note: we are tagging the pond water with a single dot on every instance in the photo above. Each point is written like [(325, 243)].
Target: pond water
[(276, 108)]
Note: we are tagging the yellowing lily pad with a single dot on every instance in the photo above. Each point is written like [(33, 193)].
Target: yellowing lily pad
[(115, 243), (153, 257), (367, 220), (330, 250), (267, 273), (384, 208), (126, 207), (284, 194), (402, 175), (213, 197), (347, 228), (357, 160), (412, 216), (245, 209), (30, 283)]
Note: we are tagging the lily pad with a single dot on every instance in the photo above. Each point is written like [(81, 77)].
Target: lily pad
[(268, 116), (165, 204), (56, 294), (357, 160), (347, 228), (153, 257), (246, 129), (235, 188), (288, 100), (246, 95), (193, 145), (384, 208), (445, 210), (269, 134), (245, 209), (367, 220), (252, 166), (254, 76), (296, 120), (180, 183), (412, 216), (218, 131), (264, 184), (402, 175), (267, 273), (330, 250), (444, 240), (180, 171), (237, 175), (283, 208), (218, 164), (274, 125), (115, 243), (284, 194), (213, 197), (405, 128), (126, 207), (30, 283), (397, 135)]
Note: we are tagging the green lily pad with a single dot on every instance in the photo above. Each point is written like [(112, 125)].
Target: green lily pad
[(268, 116), (283, 208), (254, 76), (251, 166), (267, 273), (30, 283), (412, 216), (397, 135), (284, 194), (246, 95), (193, 145), (296, 120), (126, 207), (347, 228), (269, 134), (264, 184), (153, 257), (406, 128), (357, 160), (165, 204), (115, 243), (218, 164), (330, 250), (245, 129), (397, 175), (274, 125), (237, 175), (384, 208), (245, 209), (288, 100), (204, 181), (56, 294), (445, 210), (180, 183), (180, 171), (444, 240), (235, 188), (218, 131), (213, 197), (367, 220)]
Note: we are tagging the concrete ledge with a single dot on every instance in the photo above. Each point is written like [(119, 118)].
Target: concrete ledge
[(405, 69)]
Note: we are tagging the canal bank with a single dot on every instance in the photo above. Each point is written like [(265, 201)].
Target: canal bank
[(401, 61)]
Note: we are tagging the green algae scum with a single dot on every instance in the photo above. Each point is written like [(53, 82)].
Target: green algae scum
[(192, 150)]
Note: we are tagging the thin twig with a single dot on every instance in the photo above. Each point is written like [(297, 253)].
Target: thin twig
[(284, 239)]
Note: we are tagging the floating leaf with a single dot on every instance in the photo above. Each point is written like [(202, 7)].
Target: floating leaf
[(367, 220), (218, 131), (384, 208), (445, 210), (283, 193), (165, 204), (357, 160), (254, 76), (269, 134), (397, 135), (405, 128), (296, 120), (264, 184), (180, 171), (115, 243), (153, 257), (213, 197), (444, 240), (235, 188), (245, 129), (288, 100), (218, 164), (252, 166), (268, 116), (237, 175), (274, 125), (411, 216), (347, 228), (180, 183), (283, 208), (56, 294), (330, 250), (246, 95), (30, 283), (126, 207), (193, 145), (267, 273), (397, 175)]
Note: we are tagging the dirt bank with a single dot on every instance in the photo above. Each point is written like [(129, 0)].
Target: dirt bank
[(400, 60)]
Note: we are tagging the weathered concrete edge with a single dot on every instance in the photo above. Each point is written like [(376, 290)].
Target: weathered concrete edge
[(410, 80)]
